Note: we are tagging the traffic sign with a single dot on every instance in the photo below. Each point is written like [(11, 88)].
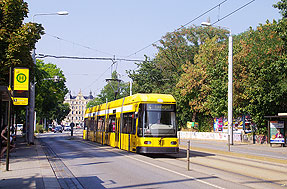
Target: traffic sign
[(21, 79), (20, 101)]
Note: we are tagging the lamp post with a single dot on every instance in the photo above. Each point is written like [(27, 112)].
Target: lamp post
[(230, 84), (31, 108)]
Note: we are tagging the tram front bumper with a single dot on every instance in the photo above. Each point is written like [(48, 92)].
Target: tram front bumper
[(157, 150)]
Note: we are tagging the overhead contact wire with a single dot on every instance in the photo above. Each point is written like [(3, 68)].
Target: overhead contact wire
[(179, 28)]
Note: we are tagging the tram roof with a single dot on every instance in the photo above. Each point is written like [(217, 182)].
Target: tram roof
[(140, 97), (150, 98)]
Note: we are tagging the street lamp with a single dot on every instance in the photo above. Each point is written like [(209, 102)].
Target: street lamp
[(230, 84), (30, 132), (47, 14)]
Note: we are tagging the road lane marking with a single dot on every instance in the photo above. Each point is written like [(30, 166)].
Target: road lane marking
[(181, 174), (175, 172)]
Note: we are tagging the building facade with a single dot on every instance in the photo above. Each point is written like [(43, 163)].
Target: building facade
[(78, 107)]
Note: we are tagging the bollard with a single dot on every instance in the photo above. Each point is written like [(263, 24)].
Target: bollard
[(187, 154), (228, 143)]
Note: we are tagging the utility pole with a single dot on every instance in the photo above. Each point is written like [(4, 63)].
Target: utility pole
[(131, 87), (30, 129)]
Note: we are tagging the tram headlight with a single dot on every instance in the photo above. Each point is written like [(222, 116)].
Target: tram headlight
[(173, 142), (147, 142)]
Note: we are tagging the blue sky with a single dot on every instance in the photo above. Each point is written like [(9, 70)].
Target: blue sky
[(117, 28)]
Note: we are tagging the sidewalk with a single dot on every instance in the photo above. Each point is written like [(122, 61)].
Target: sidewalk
[(28, 168)]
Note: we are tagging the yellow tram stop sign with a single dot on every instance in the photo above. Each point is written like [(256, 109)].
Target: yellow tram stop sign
[(21, 79), (20, 86)]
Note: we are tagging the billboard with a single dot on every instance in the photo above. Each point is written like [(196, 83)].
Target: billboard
[(277, 132)]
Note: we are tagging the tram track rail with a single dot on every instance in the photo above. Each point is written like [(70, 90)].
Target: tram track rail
[(250, 177), (65, 177), (226, 159)]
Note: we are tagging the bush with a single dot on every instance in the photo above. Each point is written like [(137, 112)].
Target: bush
[(39, 128)]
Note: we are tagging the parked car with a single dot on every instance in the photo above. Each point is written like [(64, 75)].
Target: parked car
[(58, 129), (67, 128)]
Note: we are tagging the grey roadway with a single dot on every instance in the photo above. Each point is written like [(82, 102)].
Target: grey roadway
[(81, 164), (96, 166)]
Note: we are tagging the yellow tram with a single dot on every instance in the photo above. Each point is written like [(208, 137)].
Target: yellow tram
[(141, 123)]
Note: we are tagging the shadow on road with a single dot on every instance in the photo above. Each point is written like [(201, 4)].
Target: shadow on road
[(182, 154)]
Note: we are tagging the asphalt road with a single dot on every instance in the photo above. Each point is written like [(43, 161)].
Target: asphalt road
[(83, 164)]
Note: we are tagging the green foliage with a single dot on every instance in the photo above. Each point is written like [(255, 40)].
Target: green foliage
[(96, 101), (49, 94), (282, 6), (60, 112), (113, 89), (148, 78), (205, 80), (205, 123), (260, 73), (162, 75), (39, 128), (16, 39), (192, 64)]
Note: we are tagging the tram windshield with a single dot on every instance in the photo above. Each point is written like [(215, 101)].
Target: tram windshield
[(157, 120)]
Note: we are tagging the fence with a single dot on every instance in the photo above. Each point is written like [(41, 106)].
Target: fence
[(237, 137)]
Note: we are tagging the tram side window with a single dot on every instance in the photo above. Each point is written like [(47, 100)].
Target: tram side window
[(101, 123), (92, 128), (85, 123), (95, 124), (112, 124), (129, 123)]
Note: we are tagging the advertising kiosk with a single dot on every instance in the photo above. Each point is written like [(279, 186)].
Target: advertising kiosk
[(277, 129)]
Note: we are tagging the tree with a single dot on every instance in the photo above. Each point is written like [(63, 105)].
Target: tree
[(16, 39), (147, 78), (114, 86), (60, 112), (96, 101), (282, 6), (260, 73), (205, 80), (49, 94), (162, 74)]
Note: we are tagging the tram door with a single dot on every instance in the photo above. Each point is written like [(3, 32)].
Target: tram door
[(117, 133)]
